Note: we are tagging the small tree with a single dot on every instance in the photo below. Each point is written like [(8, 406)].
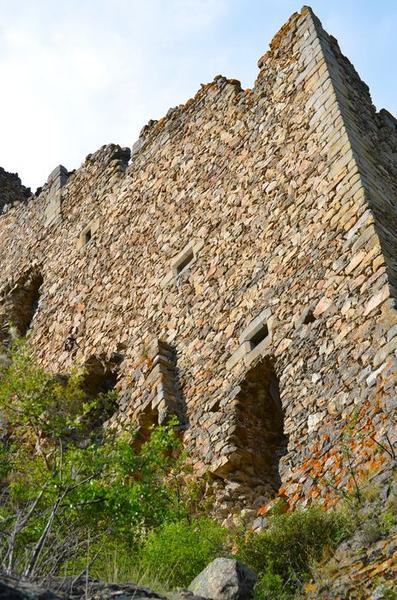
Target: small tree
[(64, 482)]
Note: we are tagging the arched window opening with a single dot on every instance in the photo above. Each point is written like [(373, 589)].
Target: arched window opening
[(20, 305), (258, 439), (99, 377)]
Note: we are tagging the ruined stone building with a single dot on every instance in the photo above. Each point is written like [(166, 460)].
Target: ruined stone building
[(237, 268)]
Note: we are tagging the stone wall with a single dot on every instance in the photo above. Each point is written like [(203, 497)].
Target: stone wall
[(240, 264), (11, 190)]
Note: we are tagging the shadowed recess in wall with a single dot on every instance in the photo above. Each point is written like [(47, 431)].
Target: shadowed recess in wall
[(168, 392), (166, 398), (177, 388), (19, 306), (258, 437), (99, 379), (147, 420)]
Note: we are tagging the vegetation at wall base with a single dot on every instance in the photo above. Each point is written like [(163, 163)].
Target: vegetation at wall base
[(177, 552), (64, 487), (284, 553), (76, 498)]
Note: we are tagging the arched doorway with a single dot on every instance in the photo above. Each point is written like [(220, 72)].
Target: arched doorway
[(258, 438), (20, 305)]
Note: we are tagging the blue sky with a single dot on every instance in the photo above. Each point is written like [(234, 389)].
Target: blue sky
[(76, 74)]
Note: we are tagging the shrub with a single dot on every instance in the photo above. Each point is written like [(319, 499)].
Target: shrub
[(76, 497), (282, 554), (177, 552), (64, 486)]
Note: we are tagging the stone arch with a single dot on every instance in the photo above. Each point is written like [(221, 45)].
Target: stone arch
[(258, 437), (20, 305)]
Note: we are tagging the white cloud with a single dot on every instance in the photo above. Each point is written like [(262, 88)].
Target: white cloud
[(76, 74), (79, 74)]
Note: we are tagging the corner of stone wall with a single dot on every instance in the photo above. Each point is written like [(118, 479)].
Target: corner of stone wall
[(358, 118), (55, 182)]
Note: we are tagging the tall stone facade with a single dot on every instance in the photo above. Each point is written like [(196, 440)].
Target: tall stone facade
[(238, 269)]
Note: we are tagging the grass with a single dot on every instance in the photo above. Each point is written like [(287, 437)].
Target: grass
[(283, 555), (177, 552)]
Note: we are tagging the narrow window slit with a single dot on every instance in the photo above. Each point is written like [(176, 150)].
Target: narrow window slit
[(258, 337), (184, 262), (87, 236), (87, 233), (309, 318)]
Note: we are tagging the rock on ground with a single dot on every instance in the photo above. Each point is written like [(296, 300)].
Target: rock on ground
[(224, 579), (12, 589), (68, 589)]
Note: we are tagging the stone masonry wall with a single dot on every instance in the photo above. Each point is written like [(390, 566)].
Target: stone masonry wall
[(11, 190), (240, 264)]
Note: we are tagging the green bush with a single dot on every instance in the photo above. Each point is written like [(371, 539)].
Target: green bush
[(66, 487), (177, 552), (283, 554), (75, 497)]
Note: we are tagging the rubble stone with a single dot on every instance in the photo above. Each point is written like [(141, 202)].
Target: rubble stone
[(281, 201)]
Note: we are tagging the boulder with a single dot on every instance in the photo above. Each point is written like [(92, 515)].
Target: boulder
[(224, 579), (12, 589), (92, 589), (67, 589)]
